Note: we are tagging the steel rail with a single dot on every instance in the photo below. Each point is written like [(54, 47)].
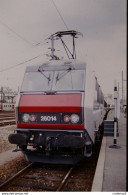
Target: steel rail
[(7, 118), (64, 180), (14, 176), (10, 115), (7, 122)]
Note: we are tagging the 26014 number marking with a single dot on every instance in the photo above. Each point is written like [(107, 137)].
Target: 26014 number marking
[(48, 118)]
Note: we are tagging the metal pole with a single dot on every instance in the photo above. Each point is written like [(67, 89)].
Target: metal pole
[(122, 91), (1, 95), (1, 98), (118, 103), (115, 114), (52, 48), (115, 118)]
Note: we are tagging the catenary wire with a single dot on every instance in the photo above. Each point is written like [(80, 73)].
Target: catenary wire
[(14, 32), (35, 45), (21, 37), (14, 66), (59, 14)]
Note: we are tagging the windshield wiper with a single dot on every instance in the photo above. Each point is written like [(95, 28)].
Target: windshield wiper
[(48, 78), (60, 75)]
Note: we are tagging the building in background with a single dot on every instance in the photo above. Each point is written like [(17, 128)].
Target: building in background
[(110, 100), (7, 99)]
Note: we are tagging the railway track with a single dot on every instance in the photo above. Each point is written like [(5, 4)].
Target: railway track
[(7, 118), (50, 177), (37, 177), (6, 183), (7, 122), (45, 177), (6, 112)]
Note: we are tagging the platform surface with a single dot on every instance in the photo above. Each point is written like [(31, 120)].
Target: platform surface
[(111, 169), (8, 156)]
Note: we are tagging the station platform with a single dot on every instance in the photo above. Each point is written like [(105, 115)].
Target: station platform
[(110, 175), (8, 156)]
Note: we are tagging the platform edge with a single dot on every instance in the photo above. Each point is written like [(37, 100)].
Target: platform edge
[(98, 177)]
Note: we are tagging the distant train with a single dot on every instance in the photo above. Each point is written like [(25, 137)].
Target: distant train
[(58, 112), (7, 106)]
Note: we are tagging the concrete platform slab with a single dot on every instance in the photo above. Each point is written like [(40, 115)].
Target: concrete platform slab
[(8, 156), (112, 165)]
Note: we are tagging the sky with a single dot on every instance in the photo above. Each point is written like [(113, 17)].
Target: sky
[(25, 26)]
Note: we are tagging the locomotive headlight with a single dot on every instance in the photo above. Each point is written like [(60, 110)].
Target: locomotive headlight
[(26, 117), (75, 118)]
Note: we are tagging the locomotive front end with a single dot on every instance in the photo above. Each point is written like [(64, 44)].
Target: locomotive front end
[(50, 114)]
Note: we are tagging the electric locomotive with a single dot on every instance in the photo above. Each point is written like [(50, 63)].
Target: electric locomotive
[(59, 110)]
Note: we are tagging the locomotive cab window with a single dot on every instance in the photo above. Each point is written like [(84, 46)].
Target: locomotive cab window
[(35, 81), (54, 80), (68, 80)]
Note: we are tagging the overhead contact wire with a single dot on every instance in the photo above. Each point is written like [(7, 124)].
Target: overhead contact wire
[(59, 14), (14, 32), (20, 63)]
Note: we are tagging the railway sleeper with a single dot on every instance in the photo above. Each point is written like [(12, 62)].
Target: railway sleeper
[(40, 186)]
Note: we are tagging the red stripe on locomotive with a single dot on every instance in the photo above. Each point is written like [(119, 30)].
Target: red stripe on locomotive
[(51, 126), (65, 103)]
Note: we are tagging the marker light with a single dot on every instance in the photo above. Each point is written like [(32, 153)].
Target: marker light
[(32, 118), (66, 118), (26, 117), (74, 118)]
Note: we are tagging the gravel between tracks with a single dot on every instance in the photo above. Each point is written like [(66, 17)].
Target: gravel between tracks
[(4, 133), (12, 166)]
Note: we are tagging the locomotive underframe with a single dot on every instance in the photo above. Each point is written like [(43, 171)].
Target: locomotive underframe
[(50, 146)]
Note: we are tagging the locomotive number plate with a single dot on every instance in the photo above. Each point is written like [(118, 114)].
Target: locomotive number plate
[(49, 118)]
